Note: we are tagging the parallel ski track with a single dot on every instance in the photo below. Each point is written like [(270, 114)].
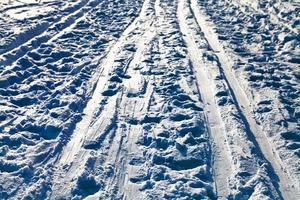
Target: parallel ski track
[(124, 145), (134, 107), (16, 51), (35, 33), (70, 163), (286, 186), (215, 126), (74, 154)]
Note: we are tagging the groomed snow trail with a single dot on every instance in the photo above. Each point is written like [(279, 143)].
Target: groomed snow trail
[(288, 187), (221, 157)]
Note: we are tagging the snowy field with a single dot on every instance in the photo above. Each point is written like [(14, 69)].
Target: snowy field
[(150, 99)]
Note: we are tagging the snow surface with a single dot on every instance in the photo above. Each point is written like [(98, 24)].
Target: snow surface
[(149, 99)]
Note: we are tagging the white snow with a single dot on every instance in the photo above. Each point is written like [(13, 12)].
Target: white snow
[(149, 99)]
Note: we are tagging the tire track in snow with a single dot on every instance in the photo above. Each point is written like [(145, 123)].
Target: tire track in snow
[(74, 151), (221, 158), (129, 190), (280, 117), (287, 185)]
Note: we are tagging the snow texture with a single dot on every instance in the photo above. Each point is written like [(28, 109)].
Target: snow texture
[(150, 99)]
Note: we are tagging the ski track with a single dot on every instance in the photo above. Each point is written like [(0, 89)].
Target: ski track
[(84, 69), (45, 34), (135, 104), (287, 186), (145, 105), (131, 107), (77, 157), (22, 38), (221, 159), (247, 51)]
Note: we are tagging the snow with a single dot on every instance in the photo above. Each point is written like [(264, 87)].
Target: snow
[(149, 99)]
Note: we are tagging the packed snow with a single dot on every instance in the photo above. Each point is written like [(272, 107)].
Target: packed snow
[(150, 99)]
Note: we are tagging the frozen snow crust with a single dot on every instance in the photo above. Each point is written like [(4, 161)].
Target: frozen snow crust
[(153, 99)]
